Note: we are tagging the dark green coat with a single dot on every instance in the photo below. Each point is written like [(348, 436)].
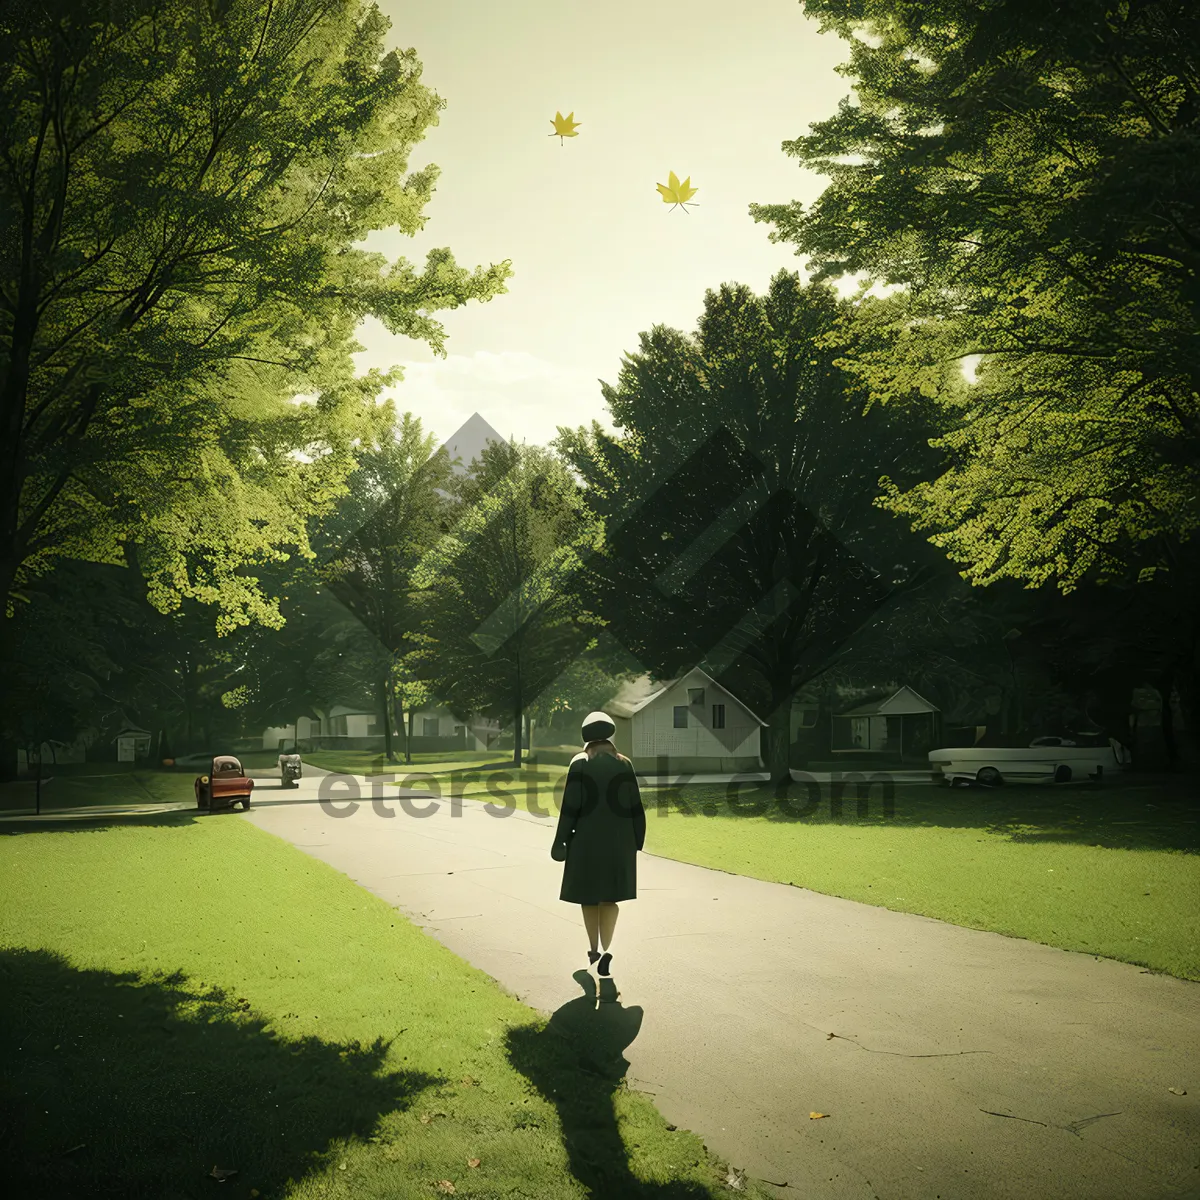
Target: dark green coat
[(601, 828)]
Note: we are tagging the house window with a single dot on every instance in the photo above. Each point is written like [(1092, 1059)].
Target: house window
[(337, 726), (429, 726), (807, 716), (681, 716), (718, 716), (695, 695)]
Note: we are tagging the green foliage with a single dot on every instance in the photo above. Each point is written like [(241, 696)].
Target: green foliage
[(740, 531), (499, 610), (182, 193), (399, 502), (1026, 175)]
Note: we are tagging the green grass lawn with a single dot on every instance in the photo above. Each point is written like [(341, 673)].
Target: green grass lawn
[(1112, 871), (180, 994)]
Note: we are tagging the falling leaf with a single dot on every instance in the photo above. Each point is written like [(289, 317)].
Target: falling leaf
[(444, 1185), (564, 127), (816, 1116), (221, 1174), (1177, 1091), (425, 1118), (736, 1179), (254, 1193), (472, 1162), (676, 194)]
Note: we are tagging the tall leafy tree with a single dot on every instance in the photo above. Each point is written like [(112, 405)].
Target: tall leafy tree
[(502, 619), (740, 525), (183, 191), (320, 657), (1026, 175), (398, 506)]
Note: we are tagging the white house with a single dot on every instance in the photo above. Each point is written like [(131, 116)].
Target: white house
[(692, 722), (900, 723)]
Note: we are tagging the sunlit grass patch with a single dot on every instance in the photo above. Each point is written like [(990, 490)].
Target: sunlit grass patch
[(186, 995)]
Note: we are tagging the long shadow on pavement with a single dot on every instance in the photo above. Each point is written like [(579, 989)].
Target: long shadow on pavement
[(119, 1084), (576, 1062)]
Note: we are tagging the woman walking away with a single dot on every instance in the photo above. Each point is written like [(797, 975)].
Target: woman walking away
[(601, 828)]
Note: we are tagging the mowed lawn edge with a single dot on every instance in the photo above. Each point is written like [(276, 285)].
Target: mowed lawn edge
[(1135, 904), (187, 994)]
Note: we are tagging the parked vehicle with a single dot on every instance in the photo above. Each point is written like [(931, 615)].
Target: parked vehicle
[(1044, 760), (224, 786), (290, 768)]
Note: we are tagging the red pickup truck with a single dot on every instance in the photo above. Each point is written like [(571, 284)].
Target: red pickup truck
[(224, 786)]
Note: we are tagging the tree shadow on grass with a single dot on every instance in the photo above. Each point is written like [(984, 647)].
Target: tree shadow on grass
[(576, 1063), (48, 823), (1151, 813), (119, 1085)]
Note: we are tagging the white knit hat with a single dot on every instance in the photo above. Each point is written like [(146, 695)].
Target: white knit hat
[(598, 726)]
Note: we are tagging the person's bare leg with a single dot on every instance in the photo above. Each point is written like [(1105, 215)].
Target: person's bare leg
[(608, 923), (591, 922)]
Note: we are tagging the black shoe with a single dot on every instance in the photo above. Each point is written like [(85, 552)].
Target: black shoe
[(593, 957), (603, 970)]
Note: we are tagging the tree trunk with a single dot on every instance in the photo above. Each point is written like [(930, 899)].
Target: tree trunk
[(402, 727), (412, 720), (1189, 697), (9, 743), (1165, 685), (384, 692), (777, 742), (518, 726), (189, 705), (398, 725)]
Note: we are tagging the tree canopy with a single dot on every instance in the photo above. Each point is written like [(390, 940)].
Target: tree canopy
[(1026, 174), (398, 506), (183, 191), (500, 616), (740, 526)]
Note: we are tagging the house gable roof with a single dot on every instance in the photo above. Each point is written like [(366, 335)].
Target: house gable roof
[(635, 696), (904, 702)]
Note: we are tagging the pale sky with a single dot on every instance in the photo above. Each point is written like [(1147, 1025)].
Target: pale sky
[(706, 88)]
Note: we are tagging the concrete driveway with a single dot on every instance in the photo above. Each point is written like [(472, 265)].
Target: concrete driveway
[(953, 1064)]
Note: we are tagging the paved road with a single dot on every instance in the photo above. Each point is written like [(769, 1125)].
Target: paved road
[(963, 1064)]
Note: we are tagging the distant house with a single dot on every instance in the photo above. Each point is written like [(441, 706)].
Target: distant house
[(132, 743), (692, 722), (350, 728), (343, 725), (898, 723)]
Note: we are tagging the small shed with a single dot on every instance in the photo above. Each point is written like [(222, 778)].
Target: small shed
[(899, 724), (691, 723), (132, 743)]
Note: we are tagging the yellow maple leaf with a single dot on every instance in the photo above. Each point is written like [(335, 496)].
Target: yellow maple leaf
[(675, 193), (816, 1116), (564, 127)]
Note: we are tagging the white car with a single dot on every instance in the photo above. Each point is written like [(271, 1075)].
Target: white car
[(1044, 760)]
